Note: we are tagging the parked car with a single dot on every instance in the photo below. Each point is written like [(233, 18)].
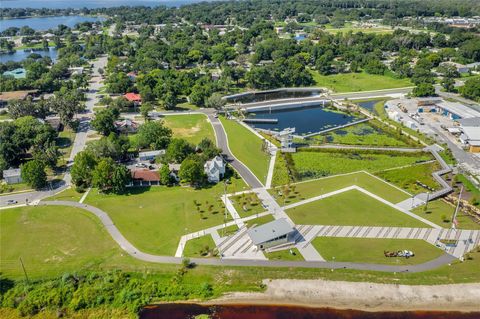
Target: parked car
[(11, 202), (141, 165)]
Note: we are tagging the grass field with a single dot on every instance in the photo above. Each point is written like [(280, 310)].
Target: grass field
[(7, 189), (325, 185), (193, 127), (65, 142), (312, 164), (370, 250), (53, 240), (247, 147), (285, 255), (247, 204), (199, 247), (69, 194), (154, 219), (351, 208), (260, 220), (280, 171), (407, 177), (356, 82), (349, 27), (360, 134), (441, 213)]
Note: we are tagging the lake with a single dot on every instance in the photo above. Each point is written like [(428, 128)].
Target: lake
[(91, 4), (305, 120), (183, 311), (20, 55), (46, 23)]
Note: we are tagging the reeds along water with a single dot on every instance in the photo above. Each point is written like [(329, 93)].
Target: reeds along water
[(187, 311)]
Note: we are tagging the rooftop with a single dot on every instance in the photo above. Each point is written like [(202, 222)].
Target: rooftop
[(269, 231), (15, 95), (19, 73), (145, 175), (472, 121), (133, 97), (459, 109), (11, 172), (473, 133)]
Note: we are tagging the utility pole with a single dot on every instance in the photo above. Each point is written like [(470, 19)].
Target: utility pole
[(225, 203), (24, 271), (456, 208), (426, 202)]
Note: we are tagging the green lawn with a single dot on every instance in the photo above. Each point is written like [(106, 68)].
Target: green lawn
[(441, 213), (200, 247), (329, 184), (360, 134), (52, 241), (370, 250), (317, 163), (247, 148), (281, 175), (260, 221), (247, 204), (192, 127), (285, 255), (7, 189), (407, 177), (351, 208), (227, 231), (65, 142), (356, 82), (154, 219), (69, 194)]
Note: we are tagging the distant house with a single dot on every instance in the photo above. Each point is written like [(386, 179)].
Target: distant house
[(462, 69), (12, 176), (55, 123), (215, 169), (132, 75), (126, 126), (5, 97), (133, 97), (150, 155), (174, 169), (19, 73), (275, 233), (76, 70)]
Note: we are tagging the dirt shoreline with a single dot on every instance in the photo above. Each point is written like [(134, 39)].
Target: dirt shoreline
[(360, 296)]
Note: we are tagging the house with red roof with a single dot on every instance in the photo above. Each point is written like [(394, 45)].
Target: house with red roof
[(133, 97)]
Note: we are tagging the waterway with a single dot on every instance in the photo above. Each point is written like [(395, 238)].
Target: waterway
[(20, 55), (46, 23), (187, 311), (305, 120), (91, 4)]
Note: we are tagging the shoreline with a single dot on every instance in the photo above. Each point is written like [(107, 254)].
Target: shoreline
[(370, 297)]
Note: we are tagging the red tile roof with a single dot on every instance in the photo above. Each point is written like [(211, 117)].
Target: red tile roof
[(145, 175), (133, 97)]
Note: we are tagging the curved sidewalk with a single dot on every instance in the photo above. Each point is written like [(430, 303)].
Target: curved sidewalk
[(136, 253)]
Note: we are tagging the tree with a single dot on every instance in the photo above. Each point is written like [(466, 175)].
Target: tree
[(153, 135), (471, 89), (215, 101), (145, 108), (178, 150), (21, 108), (423, 89), (448, 84), (66, 106), (33, 173), (118, 82), (191, 170), (120, 178), (165, 178), (48, 154), (170, 100), (104, 121), (110, 176), (82, 169), (113, 146), (208, 149)]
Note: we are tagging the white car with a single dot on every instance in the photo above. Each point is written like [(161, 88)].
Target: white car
[(141, 165), (11, 202)]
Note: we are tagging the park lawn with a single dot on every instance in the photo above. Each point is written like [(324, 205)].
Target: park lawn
[(199, 247), (309, 189), (407, 177), (360, 134), (259, 221), (322, 162), (370, 250), (440, 212), (351, 208), (357, 82), (192, 127), (285, 255), (52, 240), (65, 142), (247, 148), (153, 219), (227, 231), (7, 189), (280, 171), (247, 204), (69, 194)]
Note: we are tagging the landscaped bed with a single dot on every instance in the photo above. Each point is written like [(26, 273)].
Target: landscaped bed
[(440, 212), (351, 208), (371, 250), (308, 189), (247, 204), (200, 247), (285, 255), (313, 163), (155, 218)]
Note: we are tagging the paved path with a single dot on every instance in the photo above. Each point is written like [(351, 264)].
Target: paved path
[(134, 252)]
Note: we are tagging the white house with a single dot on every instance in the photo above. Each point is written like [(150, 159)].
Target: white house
[(150, 155), (215, 169), (12, 176)]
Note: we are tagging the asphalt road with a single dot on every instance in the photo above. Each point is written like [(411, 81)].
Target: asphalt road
[(136, 253), (222, 143)]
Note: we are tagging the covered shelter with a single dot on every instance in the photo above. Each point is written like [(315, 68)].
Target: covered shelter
[(271, 234)]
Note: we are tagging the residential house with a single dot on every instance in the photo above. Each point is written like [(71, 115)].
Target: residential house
[(12, 176), (145, 176), (126, 126), (19, 73), (215, 169), (133, 97), (462, 69), (5, 97), (150, 155)]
